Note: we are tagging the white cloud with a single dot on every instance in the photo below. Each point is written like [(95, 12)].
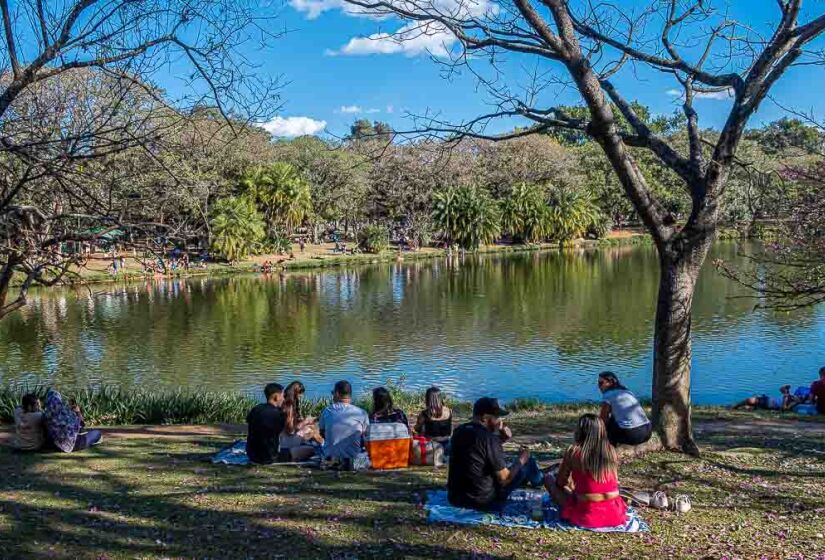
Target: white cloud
[(312, 9), (290, 127), (350, 109), (723, 95), (411, 40)]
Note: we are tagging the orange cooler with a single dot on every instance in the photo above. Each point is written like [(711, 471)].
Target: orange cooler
[(388, 445)]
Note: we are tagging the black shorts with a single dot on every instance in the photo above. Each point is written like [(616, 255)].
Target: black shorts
[(628, 436)]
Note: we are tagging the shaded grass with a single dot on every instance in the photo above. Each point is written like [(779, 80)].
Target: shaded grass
[(757, 495)]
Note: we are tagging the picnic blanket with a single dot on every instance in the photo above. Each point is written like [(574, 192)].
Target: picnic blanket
[(235, 454), (518, 512)]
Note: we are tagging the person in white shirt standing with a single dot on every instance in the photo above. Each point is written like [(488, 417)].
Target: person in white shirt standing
[(622, 413), (342, 425)]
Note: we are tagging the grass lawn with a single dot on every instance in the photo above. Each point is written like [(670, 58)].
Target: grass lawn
[(758, 492)]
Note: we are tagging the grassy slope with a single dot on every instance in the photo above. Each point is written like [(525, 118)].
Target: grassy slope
[(758, 492)]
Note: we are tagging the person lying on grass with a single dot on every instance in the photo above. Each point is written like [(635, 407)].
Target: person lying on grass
[(765, 402), (29, 424), (479, 477), (586, 488)]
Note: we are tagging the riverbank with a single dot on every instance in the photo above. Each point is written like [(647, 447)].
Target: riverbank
[(757, 492), (97, 269)]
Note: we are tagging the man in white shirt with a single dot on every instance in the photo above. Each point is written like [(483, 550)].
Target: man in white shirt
[(342, 425)]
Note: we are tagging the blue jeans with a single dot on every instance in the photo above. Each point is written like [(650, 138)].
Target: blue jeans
[(527, 474), (87, 439)]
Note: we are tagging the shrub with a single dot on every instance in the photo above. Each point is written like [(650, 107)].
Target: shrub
[(374, 238)]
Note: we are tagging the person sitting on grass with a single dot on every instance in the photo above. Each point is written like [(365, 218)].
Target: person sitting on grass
[(479, 477), (586, 488), (765, 402), (265, 422), (436, 420), (818, 392), (300, 438), (383, 411), (64, 425), (29, 424), (342, 425), (622, 413)]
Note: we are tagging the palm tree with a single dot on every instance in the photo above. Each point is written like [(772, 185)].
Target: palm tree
[(525, 214), (571, 214), (282, 194), (467, 216), (237, 228)]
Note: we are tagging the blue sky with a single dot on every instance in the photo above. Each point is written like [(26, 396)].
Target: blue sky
[(332, 80)]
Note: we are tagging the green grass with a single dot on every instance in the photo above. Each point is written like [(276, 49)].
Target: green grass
[(758, 492)]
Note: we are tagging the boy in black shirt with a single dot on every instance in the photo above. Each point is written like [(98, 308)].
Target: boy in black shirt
[(265, 423), (479, 477)]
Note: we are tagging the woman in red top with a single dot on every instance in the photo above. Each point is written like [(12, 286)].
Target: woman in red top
[(587, 486)]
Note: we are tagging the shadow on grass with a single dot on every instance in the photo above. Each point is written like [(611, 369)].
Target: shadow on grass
[(131, 500)]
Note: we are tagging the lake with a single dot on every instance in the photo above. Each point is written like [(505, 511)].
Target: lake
[(532, 324)]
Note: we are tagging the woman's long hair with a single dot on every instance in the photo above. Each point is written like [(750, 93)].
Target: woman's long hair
[(598, 457), (293, 392), (292, 415), (434, 403), (381, 401), (613, 379)]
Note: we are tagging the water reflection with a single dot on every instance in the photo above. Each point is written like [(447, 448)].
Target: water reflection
[(533, 324)]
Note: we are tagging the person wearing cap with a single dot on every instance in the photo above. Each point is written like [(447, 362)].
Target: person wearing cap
[(479, 477)]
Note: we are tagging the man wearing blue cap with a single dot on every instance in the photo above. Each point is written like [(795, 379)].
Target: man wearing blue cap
[(479, 477)]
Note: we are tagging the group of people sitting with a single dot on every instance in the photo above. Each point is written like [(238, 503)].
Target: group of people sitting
[(787, 401), (58, 427), (585, 486), (278, 432)]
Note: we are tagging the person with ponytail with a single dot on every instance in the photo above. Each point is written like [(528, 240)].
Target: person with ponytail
[(586, 487), (622, 413)]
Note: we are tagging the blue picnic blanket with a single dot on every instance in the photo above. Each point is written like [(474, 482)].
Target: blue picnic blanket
[(235, 454), (518, 512)]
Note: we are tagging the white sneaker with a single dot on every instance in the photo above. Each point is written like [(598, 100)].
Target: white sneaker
[(659, 500), (682, 504)]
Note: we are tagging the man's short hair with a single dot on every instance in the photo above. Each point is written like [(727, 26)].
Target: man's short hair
[(343, 388), (273, 389)]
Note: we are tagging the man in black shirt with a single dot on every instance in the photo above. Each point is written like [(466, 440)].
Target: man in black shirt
[(265, 423), (479, 477)]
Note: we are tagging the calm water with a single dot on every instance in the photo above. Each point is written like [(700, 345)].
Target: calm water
[(540, 324)]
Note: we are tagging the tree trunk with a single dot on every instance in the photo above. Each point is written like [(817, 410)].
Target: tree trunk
[(679, 265)]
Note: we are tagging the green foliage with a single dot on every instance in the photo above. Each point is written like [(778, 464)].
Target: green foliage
[(109, 406), (237, 228), (282, 194), (467, 216), (525, 214), (278, 243), (572, 214), (373, 238)]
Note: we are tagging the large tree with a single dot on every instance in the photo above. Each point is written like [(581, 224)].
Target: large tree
[(76, 86), (593, 45)]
